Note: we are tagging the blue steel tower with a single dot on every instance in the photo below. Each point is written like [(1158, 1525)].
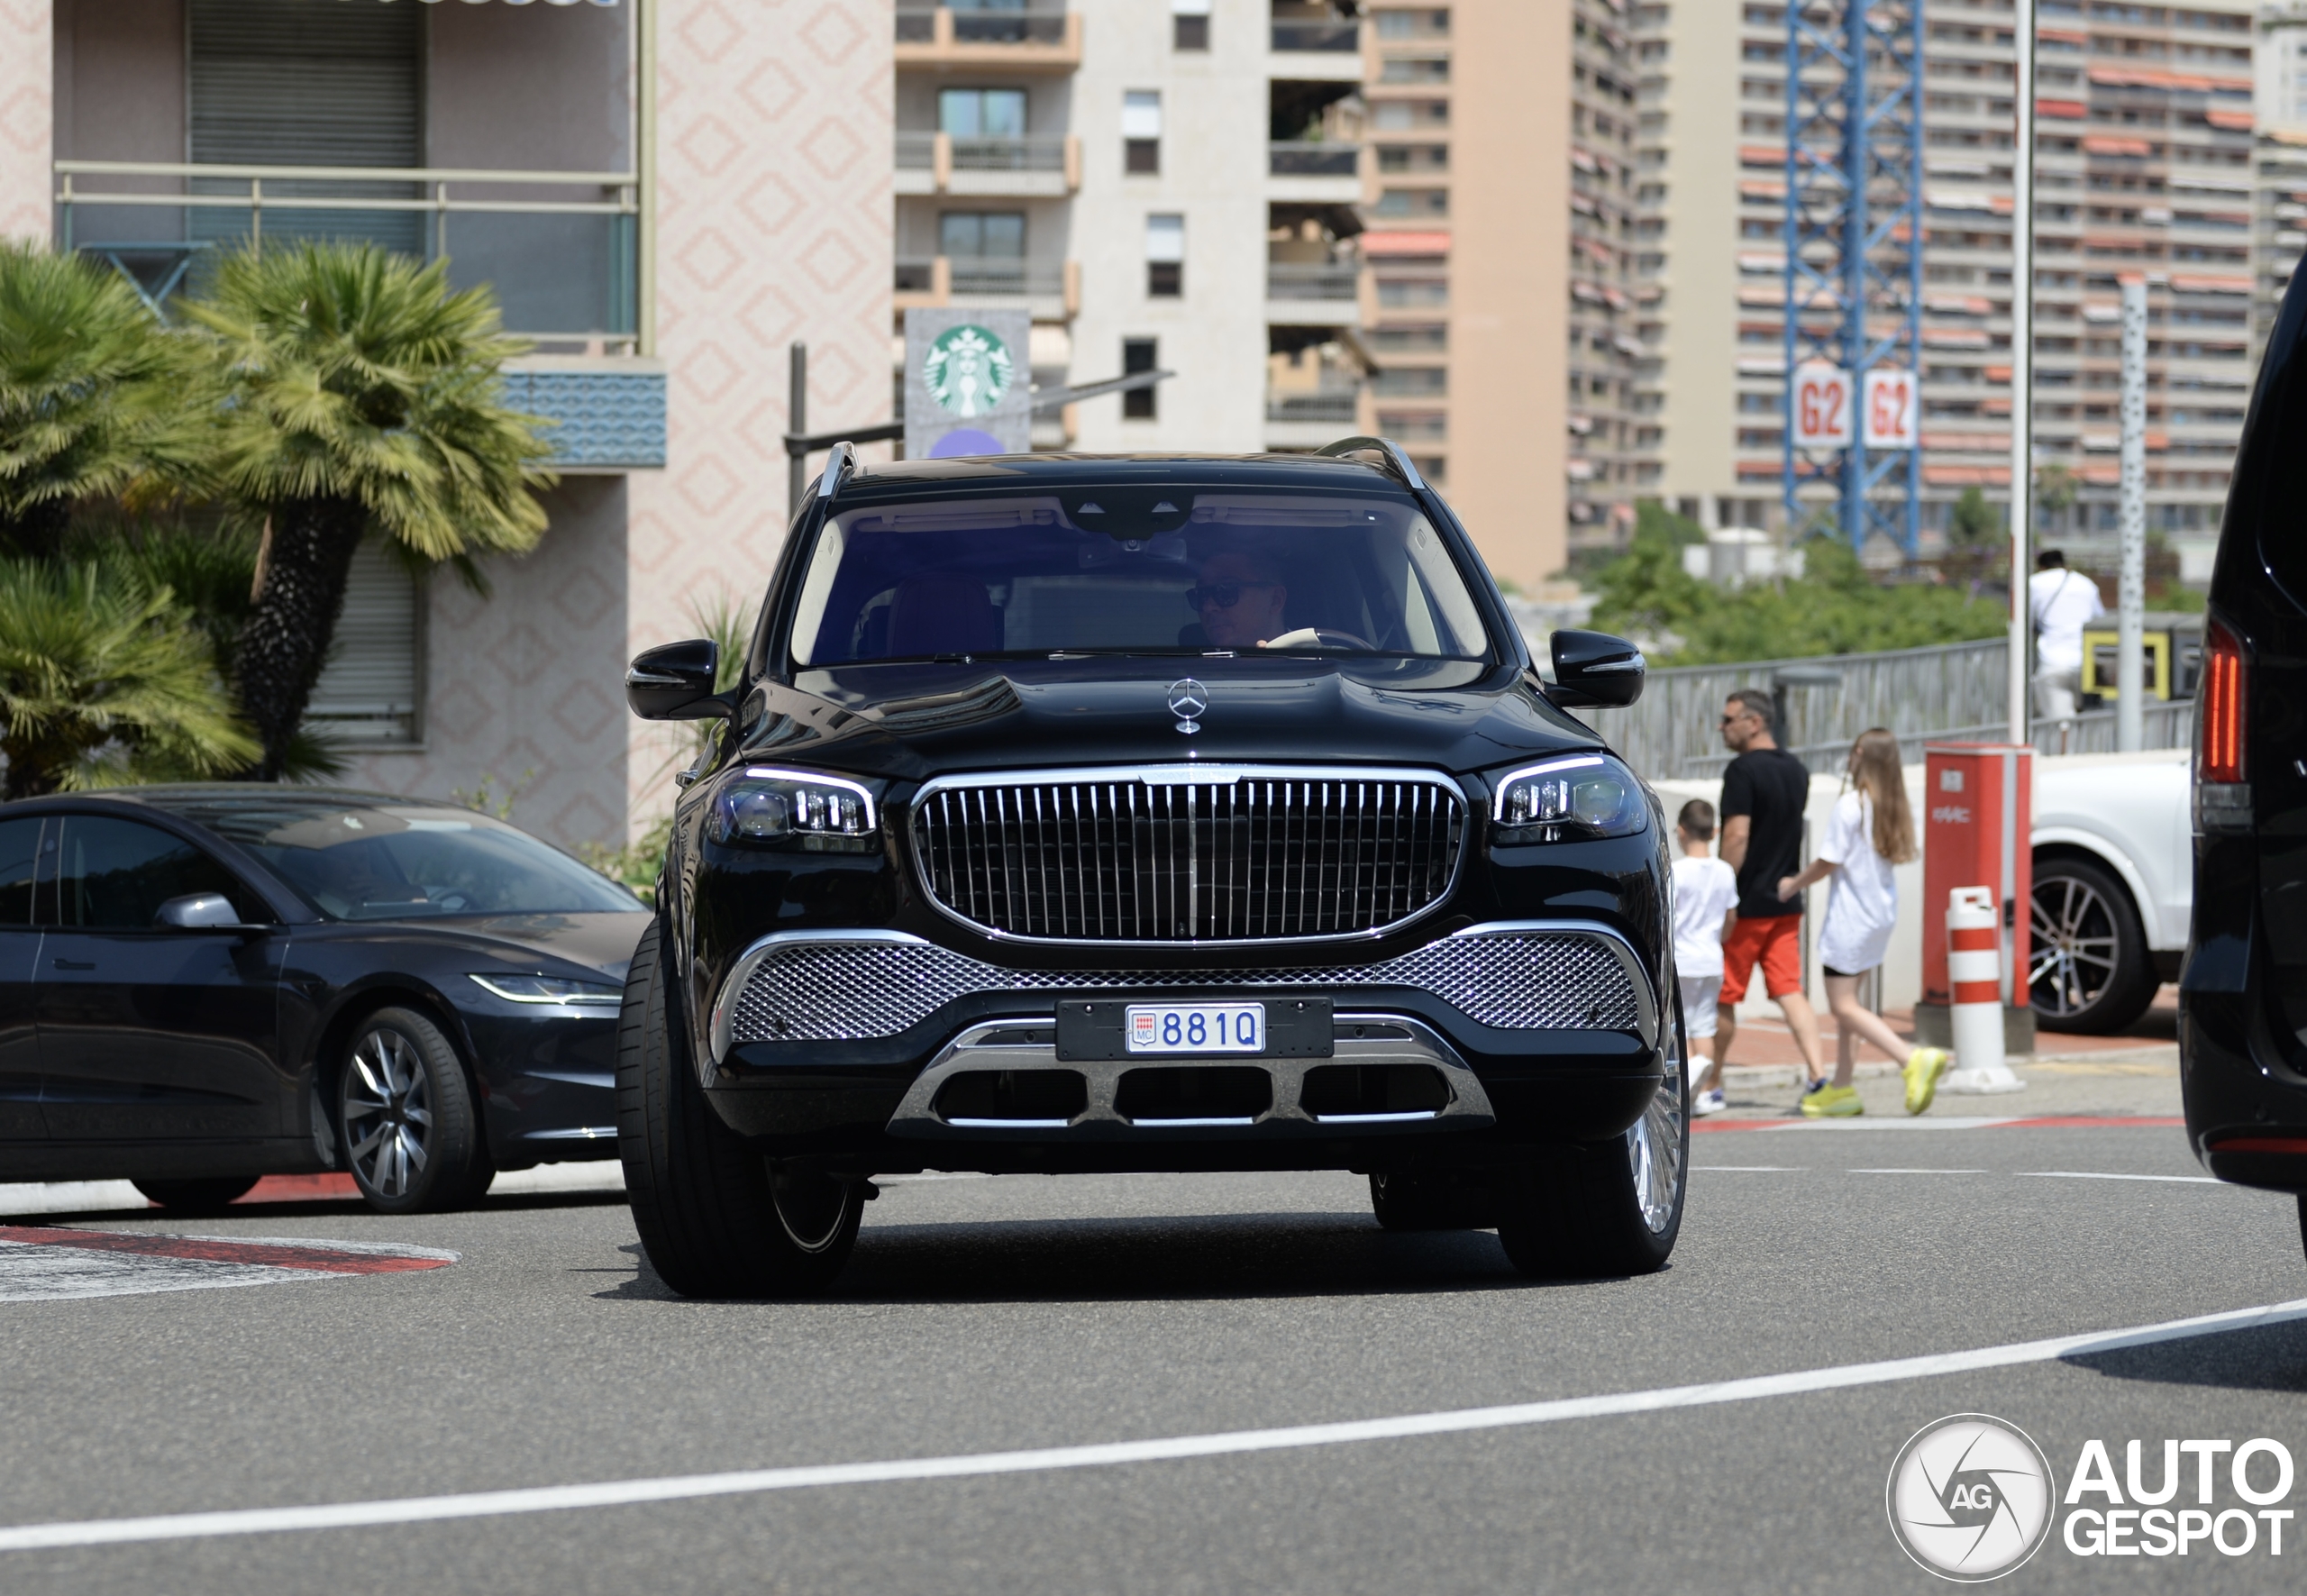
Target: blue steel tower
[(1854, 247)]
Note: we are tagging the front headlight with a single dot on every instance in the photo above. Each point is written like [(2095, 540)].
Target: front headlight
[(767, 806), (1577, 797), (551, 988)]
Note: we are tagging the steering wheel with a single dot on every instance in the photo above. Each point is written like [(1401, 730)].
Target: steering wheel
[(1319, 638)]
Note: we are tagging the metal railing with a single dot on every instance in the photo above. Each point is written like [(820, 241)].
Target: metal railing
[(1330, 404), (1029, 153), (1331, 36), (978, 276), (1288, 279), (564, 268), (1040, 22), (1312, 158), (1951, 692)]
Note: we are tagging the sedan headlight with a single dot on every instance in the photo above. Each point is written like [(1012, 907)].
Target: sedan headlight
[(551, 988), (768, 808), (1577, 797)]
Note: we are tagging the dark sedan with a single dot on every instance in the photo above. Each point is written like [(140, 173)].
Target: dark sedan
[(201, 986)]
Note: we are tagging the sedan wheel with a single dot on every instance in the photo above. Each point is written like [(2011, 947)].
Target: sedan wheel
[(2088, 968), (411, 1136)]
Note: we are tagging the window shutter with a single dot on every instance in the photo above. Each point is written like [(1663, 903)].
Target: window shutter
[(371, 692)]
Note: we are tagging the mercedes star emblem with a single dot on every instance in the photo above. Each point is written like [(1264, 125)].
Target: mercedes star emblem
[(1188, 701)]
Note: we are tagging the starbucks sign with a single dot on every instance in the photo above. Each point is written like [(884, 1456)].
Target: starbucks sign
[(967, 383)]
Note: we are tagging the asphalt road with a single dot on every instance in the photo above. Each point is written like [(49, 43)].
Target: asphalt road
[(982, 1315)]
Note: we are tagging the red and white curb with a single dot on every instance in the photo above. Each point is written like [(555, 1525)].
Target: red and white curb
[(49, 1264)]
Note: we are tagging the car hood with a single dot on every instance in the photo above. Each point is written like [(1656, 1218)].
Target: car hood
[(597, 941), (913, 721)]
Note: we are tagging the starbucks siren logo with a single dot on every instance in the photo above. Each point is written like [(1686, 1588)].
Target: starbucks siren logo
[(967, 370)]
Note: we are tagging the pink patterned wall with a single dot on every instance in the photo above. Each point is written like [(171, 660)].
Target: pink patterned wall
[(27, 117), (774, 222)]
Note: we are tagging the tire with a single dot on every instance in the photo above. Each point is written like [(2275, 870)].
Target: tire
[(406, 1111), (1611, 1208), (1430, 1201), (212, 1195), (716, 1217), (2088, 969)]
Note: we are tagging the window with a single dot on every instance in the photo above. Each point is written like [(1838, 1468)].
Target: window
[(19, 848), (1137, 354), (1408, 116), (1408, 340), (1190, 24), (1412, 381), (116, 874), (981, 112), (1400, 70), (371, 692), (1412, 202), (1412, 293), (1413, 157), (1141, 130), (1413, 24), (982, 235), (1165, 257)]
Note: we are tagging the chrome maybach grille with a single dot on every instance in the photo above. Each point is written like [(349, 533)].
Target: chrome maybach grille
[(1190, 856), (854, 991)]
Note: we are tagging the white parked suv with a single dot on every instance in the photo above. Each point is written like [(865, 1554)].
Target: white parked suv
[(2114, 886)]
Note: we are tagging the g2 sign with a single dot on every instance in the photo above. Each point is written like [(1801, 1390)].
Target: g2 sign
[(1890, 409), (1821, 400)]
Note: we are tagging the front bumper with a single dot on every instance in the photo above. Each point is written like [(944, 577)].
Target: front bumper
[(837, 1043)]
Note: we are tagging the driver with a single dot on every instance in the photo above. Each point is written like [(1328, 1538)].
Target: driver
[(1239, 599)]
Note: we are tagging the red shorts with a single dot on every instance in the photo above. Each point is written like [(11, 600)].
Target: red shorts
[(1774, 941)]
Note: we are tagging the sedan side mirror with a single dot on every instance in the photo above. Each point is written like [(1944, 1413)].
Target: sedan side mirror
[(1596, 669), (675, 681), (200, 911)]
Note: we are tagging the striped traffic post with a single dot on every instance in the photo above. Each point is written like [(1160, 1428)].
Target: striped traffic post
[(1974, 979)]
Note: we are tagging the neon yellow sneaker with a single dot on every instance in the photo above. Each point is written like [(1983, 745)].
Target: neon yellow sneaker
[(1924, 1066), (1832, 1102)]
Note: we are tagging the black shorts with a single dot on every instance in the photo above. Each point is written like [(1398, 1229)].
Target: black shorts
[(1840, 975)]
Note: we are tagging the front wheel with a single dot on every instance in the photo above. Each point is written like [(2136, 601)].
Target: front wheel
[(716, 1217), (1607, 1207), (412, 1131)]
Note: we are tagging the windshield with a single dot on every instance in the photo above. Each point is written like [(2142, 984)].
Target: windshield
[(394, 861), (1135, 571)]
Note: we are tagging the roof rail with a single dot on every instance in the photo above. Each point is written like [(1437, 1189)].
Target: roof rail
[(840, 463), (1387, 450)]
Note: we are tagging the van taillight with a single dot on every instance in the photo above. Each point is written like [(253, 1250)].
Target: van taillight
[(2221, 706)]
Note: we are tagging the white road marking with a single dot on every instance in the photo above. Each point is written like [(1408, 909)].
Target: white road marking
[(1753, 1168), (1915, 1171), (551, 1499), (2096, 1175)]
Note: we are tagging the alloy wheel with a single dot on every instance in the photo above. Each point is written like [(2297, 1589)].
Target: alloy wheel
[(1655, 1147), (2075, 946), (387, 1113)]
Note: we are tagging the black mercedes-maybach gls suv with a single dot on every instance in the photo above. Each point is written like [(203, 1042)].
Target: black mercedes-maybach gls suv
[(1149, 812)]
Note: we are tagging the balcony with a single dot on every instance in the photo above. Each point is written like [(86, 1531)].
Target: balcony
[(1313, 293), (1311, 157), (559, 249), (1316, 36), (1051, 291), (1307, 418), (1037, 165), (1025, 36)]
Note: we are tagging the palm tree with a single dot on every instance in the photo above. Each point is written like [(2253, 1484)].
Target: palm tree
[(103, 679), (363, 396), (93, 394)]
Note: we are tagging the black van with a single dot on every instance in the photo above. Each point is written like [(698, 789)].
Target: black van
[(2243, 995)]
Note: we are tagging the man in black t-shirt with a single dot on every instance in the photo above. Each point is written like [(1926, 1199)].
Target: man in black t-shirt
[(1763, 794)]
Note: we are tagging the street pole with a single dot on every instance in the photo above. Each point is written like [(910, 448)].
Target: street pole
[(2022, 351), (796, 422), (2130, 604)]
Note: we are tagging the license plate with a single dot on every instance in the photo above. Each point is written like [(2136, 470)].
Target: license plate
[(1194, 1028)]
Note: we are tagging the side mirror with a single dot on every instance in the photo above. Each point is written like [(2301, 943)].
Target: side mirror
[(1596, 669), (675, 681), (200, 911)]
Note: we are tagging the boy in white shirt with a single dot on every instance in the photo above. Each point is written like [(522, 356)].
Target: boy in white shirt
[(1706, 903)]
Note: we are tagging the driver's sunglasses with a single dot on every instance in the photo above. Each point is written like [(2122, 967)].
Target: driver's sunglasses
[(1223, 595)]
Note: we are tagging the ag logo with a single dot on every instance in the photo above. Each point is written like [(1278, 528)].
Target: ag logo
[(1970, 1498), (967, 369)]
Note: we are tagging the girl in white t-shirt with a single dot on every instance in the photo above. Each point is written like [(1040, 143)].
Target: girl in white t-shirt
[(1872, 830)]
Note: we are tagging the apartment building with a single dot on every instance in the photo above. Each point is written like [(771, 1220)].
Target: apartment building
[(2143, 168), (663, 193), (1324, 219), (2280, 165)]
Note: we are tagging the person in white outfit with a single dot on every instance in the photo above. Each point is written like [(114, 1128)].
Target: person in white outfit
[(2063, 602), (1706, 903), (1872, 830)]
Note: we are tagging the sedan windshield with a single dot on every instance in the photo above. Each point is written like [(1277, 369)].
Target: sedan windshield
[(1137, 571), (396, 861)]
